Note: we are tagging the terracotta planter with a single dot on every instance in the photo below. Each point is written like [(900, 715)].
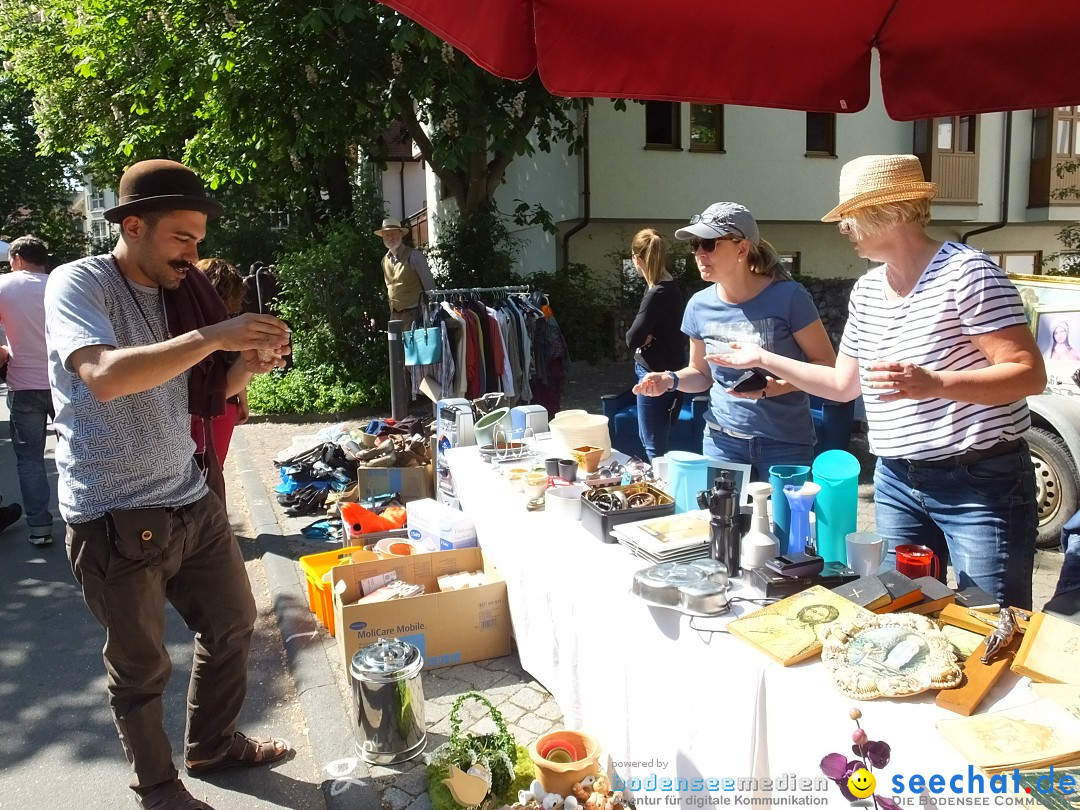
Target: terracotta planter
[(559, 777), (588, 457)]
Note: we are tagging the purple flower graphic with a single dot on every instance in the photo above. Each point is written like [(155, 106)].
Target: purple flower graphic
[(839, 768)]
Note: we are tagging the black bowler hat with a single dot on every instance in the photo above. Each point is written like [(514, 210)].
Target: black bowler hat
[(161, 185)]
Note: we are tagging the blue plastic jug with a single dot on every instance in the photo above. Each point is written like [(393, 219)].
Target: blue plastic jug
[(688, 475), (780, 475), (837, 505)]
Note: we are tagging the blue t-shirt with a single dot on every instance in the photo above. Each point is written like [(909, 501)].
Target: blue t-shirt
[(136, 450), (771, 320)]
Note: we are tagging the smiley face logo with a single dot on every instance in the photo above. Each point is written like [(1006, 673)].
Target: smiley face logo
[(861, 783)]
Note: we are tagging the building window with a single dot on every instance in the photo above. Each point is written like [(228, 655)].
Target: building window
[(821, 134), (279, 220), (99, 229), (662, 125), (1067, 132), (1021, 262), (956, 134), (706, 127), (97, 198), (790, 259)]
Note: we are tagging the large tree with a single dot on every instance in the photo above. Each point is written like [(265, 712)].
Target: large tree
[(35, 190), (271, 92)]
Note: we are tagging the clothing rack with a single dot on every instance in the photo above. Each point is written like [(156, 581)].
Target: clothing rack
[(522, 288)]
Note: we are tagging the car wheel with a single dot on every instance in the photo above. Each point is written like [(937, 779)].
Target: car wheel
[(1055, 484)]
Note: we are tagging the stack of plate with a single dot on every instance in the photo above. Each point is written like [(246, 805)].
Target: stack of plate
[(671, 538)]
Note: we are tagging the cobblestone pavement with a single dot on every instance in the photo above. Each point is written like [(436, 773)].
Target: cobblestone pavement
[(528, 709)]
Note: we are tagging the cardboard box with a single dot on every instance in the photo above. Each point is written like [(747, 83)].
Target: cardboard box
[(411, 482), (448, 628), (436, 526)]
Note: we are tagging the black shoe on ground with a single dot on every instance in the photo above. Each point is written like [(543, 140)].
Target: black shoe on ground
[(41, 537), (9, 514)]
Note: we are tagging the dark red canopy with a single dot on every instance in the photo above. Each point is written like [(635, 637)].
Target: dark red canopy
[(938, 57)]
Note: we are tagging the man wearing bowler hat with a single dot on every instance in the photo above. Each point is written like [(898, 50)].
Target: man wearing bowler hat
[(406, 273), (142, 526)]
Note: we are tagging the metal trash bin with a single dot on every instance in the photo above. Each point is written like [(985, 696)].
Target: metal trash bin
[(388, 702)]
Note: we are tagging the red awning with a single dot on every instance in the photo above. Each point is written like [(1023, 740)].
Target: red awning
[(938, 57)]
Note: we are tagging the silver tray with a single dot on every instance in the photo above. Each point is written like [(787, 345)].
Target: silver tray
[(698, 587)]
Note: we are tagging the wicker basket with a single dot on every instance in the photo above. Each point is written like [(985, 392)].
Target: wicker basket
[(575, 429)]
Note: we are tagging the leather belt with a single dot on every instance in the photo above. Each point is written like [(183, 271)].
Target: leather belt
[(970, 457), (732, 433)]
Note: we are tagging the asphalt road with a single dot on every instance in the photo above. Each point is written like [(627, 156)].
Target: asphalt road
[(58, 745)]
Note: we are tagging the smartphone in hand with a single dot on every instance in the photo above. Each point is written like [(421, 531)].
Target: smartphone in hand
[(751, 380)]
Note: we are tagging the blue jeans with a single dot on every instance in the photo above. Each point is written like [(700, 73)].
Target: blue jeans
[(1069, 578), (30, 412), (654, 417), (759, 452), (981, 516)]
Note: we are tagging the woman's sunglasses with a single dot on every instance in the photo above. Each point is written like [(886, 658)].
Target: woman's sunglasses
[(709, 245)]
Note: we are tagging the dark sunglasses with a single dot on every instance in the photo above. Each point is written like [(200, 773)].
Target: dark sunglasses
[(709, 245)]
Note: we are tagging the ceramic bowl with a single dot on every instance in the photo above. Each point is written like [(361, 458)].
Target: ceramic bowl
[(564, 501)]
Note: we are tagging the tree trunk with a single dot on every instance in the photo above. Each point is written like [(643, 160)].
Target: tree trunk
[(339, 187)]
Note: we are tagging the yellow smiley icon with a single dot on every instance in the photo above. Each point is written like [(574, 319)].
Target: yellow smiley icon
[(861, 783)]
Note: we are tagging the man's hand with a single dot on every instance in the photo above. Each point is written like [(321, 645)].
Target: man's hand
[(250, 331), (5, 355), (254, 364)]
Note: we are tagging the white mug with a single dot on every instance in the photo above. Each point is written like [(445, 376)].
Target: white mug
[(865, 552), (660, 467)]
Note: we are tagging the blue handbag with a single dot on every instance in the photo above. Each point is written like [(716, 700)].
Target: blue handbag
[(423, 346)]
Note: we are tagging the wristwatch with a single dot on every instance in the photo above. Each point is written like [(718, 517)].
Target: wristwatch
[(674, 381)]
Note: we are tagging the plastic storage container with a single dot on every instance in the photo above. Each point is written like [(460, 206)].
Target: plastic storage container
[(320, 597), (599, 523), (688, 474), (836, 506)]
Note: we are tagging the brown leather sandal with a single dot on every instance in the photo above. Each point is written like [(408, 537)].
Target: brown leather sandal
[(173, 796), (245, 752)]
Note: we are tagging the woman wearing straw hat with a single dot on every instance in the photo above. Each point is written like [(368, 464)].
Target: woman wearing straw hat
[(937, 343), (750, 297), (406, 273)]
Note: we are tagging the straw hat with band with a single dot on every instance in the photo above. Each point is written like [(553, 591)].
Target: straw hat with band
[(880, 179), (389, 224), (161, 185)]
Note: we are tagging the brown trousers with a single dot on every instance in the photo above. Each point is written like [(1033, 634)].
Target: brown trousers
[(201, 572)]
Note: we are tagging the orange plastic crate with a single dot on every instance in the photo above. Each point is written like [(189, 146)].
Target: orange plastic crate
[(320, 597)]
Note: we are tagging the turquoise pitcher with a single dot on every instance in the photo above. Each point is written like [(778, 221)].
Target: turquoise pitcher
[(837, 505), (780, 475), (688, 474)]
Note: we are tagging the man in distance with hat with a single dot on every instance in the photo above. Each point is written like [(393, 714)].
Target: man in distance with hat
[(142, 525), (406, 273)]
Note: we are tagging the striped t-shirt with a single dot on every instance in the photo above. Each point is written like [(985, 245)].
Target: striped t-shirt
[(960, 293)]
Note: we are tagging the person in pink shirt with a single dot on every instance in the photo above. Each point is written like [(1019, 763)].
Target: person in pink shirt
[(29, 399)]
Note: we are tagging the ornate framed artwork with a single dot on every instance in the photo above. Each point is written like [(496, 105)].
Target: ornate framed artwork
[(889, 656)]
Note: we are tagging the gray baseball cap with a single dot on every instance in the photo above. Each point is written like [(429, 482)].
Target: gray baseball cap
[(722, 219)]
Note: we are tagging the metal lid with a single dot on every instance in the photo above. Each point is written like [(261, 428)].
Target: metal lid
[(386, 660)]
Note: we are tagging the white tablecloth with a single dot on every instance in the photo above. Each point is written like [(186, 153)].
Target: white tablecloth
[(664, 699)]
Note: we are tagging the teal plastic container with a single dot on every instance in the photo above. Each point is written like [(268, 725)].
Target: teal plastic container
[(837, 505), (688, 474), (780, 475)]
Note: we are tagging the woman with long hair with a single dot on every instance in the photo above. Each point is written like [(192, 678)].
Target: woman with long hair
[(750, 300), (230, 286), (655, 338)]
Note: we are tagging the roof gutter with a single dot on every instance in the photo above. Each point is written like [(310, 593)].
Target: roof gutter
[(586, 190), (1006, 176)]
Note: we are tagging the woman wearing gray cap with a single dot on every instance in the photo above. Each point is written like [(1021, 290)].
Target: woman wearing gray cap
[(751, 301), (938, 344)]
